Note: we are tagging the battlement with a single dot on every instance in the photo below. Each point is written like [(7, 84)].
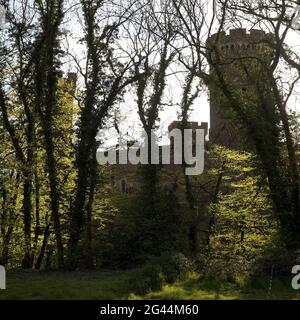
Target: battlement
[(234, 35), (241, 32), (240, 43)]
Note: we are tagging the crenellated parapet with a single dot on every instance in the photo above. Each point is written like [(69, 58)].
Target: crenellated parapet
[(240, 43)]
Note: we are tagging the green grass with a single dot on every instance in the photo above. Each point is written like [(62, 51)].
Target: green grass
[(94, 285), (193, 289), (115, 285)]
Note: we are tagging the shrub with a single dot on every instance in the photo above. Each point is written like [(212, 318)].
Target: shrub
[(175, 266), (148, 278)]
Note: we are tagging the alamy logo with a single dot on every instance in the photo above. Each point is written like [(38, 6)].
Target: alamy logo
[(185, 149), (296, 278), (2, 278)]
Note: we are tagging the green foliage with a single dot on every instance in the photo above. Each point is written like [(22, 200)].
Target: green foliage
[(131, 229), (169, 267), (148, 278), (175, 266), (244, 225)]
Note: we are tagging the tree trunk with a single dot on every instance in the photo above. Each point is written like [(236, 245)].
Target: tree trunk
[(43, 248), (77, 217), (54, 195), (27, 259), (37, 212), (46, 67), (89, 209)]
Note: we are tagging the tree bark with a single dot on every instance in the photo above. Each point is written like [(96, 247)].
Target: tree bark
[(89, 209), (46, 102), (41, 255)]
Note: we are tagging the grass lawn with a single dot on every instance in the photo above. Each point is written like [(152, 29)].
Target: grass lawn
[(115, 285)]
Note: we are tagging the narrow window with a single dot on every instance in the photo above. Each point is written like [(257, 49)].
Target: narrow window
[(123, 186)]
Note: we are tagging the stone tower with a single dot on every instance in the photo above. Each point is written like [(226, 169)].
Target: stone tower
[(231, 52)]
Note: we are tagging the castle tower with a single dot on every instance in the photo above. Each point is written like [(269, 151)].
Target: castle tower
[(233, 53)]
